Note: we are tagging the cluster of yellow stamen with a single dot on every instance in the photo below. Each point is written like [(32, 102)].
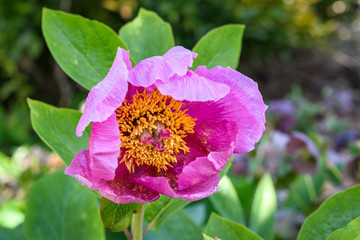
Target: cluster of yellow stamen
[(152, 130)]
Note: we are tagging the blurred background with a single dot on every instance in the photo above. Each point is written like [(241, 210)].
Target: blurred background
[(304, 54)]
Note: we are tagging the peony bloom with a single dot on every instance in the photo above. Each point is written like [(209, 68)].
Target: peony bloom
[(159, 128)]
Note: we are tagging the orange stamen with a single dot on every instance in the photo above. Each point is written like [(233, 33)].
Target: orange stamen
[(152, 130)]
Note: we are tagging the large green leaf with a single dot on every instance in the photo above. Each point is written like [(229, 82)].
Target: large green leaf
[(84, 49), (262, 216), (157, 212), (59, 207), (11, 234), (226, 201), (177, 226), (228, 230), (335, 213), (349, 232), (117, 217), (221, 46), (56, 127), (147, 35)]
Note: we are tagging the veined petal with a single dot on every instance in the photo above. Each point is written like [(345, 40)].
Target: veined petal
[(193, 87), (79, 169), (176, 61), (217, 138), (108, 94), (243, 105), (104, 148), (194, 193)]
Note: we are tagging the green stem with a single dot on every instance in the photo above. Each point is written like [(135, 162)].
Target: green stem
[(137, 224)]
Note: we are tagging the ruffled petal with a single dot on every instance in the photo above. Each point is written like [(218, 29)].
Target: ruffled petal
[(243, 105), (104, 148), (217, 138), (176, 61), (79, 169), (108, 94), (194, 193), (193, 87), (124, 190)]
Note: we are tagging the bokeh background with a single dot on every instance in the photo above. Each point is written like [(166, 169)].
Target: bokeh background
[(304, 54)]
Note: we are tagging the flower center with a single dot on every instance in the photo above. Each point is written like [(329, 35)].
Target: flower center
[(152, 130)]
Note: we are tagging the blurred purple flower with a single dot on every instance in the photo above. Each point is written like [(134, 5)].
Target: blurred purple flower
[(342, 141), (341, 101), (159, 128), (305, 153), (240, 165), (283, 112), (275, 150)]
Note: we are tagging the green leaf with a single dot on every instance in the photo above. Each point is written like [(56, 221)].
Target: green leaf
[(335, 213), (11, 234), (304, 192), (147, 35), (349, 232), (226, 201), (83, 48), (228, 230), (56, 127), (206, 237), (262, 216), (221, 46), (157, 212), (178, 226), (117, 217), (59, 207)]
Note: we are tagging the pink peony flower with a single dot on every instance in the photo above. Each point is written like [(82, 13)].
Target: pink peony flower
[(159, 128)]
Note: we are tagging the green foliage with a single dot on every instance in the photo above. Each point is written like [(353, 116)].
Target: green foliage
[(262, 217), (11, 234), (117, 217), (84, 49), (228, 230), (147, 35), (56, 127), (157, 212), (227, 196), (335, 213), (178, 226), (59, 207), (221, 46), (349, 232)]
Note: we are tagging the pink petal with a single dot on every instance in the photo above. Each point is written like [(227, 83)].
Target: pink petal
[(79, 169), (243, 105), (108, 94), (104, 148), (192, 87), (176, 61), (219, 138), (124, 190)]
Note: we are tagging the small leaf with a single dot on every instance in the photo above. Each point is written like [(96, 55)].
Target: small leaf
[(349, 232), (59, 207), (147, 35), (117, 217), (11, 234), (84, 49), (262, 216), (221, 46), (228, 230), (335, 213), (56, 127), (304, 192), (178, 226), (226, 201), (158, 211)]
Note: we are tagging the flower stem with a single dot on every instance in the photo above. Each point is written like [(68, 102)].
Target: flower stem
[(137, 224)]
